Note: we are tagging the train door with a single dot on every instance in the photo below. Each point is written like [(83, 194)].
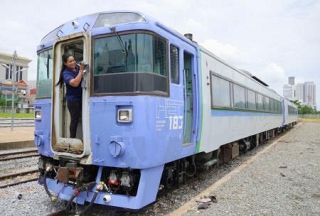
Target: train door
[(61, 141), (76, 49), (188, 96)]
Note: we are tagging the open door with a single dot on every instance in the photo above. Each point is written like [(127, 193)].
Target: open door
[(62, 144), (188, 96)]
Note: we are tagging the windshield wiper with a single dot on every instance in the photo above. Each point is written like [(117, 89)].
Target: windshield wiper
[(123, 46), (48, 62), (124, 49)]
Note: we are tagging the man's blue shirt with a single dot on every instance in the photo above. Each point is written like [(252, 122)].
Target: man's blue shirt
[(73, 93)]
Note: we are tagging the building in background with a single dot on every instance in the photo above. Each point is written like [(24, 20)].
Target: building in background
[(14, 83), (32, 92), (310, 94), (299, 92), (288, 91), (291, 80), (303, 92)]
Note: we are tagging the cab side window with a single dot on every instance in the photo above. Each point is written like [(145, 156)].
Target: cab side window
[(174, 64)]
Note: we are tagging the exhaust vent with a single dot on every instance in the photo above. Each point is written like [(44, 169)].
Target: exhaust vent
[(189, 36)]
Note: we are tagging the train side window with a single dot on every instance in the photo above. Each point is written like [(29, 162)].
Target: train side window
[(251, 100), (266, 105), (174, 64), (279, 107), (273, 107), (259, 102), (44, 74), (270, 104), (239, 98), (292, 110), (220, 92)]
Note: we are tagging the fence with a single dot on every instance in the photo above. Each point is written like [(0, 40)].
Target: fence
[(309, 116), (18, 110)]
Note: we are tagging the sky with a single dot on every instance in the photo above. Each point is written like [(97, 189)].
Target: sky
[(272, 39)]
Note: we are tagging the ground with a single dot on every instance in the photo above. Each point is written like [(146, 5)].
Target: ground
[(282, 181)]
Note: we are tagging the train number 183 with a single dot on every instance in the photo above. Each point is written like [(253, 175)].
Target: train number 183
[(176, 122)]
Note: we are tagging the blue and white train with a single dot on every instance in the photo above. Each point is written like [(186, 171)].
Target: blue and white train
[(156, 106)]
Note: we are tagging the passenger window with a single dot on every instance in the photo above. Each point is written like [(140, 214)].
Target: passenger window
[(174, 64), (265, 103), (272, 105), (279, 107), (239, 98), (220, 92), (259, 102), (251, 100)]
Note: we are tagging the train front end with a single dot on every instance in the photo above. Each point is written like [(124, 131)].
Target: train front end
[(131, 123)]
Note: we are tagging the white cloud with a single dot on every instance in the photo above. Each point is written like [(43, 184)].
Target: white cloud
[(274, 75), (223, 50), (274, 72), (271, 73)]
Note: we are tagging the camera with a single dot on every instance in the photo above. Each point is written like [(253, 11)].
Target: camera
[(84, 64)]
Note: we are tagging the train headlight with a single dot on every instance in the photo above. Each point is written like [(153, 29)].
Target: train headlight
[(37, 115), (124, 115)]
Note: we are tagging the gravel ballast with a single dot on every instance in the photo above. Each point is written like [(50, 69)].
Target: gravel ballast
[(16, 164), (262, 188), (283, 181)]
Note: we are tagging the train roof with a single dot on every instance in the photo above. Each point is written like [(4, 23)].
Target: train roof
[(241, 71), (92, 21), (102, 20)]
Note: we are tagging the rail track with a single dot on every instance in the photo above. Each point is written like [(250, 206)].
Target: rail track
[(19, 175), (18, 154)]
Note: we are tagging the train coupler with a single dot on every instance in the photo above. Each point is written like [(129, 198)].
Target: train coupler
[(67, 174)]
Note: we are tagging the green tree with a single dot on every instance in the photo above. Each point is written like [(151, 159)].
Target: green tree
[(3, 100), (304, 109)]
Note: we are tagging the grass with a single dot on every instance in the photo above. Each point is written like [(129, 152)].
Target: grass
[(310, 119), (17, 115)]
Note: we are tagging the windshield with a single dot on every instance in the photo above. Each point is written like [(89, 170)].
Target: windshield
[(135, 62), (44, 74)]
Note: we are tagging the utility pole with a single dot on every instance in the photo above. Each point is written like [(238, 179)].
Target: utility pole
[(13, 74), (6, 102)]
